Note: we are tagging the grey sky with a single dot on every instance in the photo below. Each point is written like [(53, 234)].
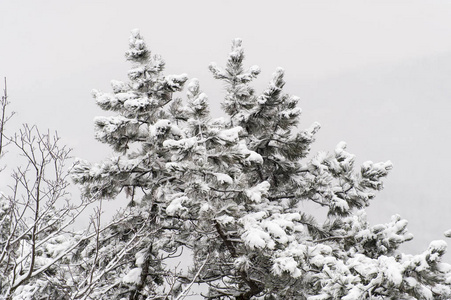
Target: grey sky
[(374, 74)]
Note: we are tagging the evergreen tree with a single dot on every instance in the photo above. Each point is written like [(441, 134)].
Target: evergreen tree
[(231, 191), (125, 257)]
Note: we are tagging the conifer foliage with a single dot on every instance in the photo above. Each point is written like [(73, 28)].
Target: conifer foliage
[(230, 191)]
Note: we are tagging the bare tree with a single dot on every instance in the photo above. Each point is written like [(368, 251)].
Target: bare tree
[(5, 116), (36, 214)]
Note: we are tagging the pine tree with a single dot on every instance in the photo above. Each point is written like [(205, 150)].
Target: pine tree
[(230, 190), (125, 257)]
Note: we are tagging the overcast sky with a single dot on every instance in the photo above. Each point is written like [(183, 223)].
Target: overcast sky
[(375, 74)]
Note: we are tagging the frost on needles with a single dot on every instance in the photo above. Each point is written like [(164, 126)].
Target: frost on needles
[(229, 192)]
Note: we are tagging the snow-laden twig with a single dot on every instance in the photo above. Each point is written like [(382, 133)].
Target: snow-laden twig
[(185, 291)]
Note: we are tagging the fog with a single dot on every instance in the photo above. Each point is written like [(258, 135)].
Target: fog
[(374, 74)]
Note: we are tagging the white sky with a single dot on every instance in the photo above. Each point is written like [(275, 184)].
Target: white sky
[(374, 73)]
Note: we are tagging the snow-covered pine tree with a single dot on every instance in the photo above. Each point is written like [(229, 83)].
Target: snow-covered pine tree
[(125, 257), (231, 189)]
